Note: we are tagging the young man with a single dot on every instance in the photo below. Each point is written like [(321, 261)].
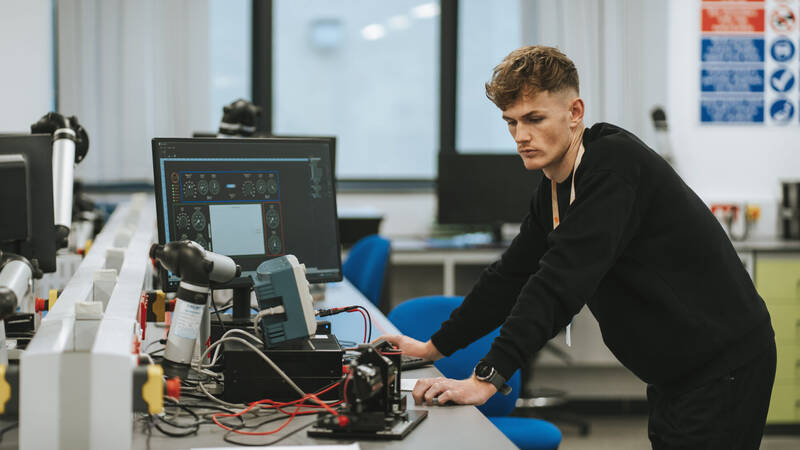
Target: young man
[(614, 227)]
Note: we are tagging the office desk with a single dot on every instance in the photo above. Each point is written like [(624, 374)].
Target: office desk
[(445, 427)]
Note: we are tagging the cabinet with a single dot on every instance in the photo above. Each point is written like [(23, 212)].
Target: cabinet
[(777, 279)]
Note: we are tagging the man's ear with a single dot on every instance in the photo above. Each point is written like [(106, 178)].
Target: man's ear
[(576, 110)]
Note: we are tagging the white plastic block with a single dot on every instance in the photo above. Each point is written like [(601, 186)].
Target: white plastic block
[(103, 284), (114, 258)]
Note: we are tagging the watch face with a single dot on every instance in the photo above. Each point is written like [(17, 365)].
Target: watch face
[(483, 370)]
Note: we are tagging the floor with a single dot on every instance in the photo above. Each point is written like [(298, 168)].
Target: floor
[(630, 433)]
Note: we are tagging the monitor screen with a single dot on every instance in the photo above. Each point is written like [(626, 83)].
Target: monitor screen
[(250, 199), (484, 188), (28, 199)]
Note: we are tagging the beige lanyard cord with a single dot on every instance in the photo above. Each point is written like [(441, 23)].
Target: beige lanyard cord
[(554, 194), (556, 218)]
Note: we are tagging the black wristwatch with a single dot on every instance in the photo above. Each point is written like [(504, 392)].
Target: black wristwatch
[(486, 372)]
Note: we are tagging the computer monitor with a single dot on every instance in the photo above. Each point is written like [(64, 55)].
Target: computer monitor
[(262, 134), (27, 225), (484, 189), (250, 199)]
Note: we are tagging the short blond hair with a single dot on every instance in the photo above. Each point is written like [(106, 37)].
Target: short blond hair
[(530, 70)]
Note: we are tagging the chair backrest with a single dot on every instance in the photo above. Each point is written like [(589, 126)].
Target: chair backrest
[(365, 266), (419, 318)]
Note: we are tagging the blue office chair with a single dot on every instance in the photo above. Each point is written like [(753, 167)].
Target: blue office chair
[(419, 318), (366, 265)]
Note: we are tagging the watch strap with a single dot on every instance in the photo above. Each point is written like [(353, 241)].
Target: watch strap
[(498, 381)]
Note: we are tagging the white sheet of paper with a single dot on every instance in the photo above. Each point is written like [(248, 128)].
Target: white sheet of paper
[(407, 384), (353, 446)]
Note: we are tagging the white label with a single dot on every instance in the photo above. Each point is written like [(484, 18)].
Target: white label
[(186, 319), (407, 384)]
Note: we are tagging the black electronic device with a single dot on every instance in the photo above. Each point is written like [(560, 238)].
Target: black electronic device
[(413, 362), (484, 189), (312, 364), (374, 406), (27, 225), (250, 199), (226, 322)]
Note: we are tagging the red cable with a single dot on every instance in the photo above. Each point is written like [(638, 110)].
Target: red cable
[(365, 322), (346, 382), (278, 405)]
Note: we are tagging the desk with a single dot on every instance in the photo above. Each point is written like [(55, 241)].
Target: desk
[(445, 427)]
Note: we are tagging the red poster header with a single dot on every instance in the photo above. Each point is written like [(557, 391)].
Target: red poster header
[(721, 18)]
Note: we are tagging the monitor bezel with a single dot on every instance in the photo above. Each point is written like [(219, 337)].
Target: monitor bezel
[(157, 181)]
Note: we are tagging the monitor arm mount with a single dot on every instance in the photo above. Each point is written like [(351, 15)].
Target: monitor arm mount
[(16, 273), (70, 145), (197, 268)]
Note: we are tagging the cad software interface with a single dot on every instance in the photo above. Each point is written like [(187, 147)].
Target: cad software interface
[(252, 200)]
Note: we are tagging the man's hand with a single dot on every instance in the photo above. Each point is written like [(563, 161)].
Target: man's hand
[(413, 347), (462, 392)]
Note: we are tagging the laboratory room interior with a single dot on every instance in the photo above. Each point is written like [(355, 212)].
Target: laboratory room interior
[(373, 224)]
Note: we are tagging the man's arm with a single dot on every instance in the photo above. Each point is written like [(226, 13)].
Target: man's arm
[(496, 291)]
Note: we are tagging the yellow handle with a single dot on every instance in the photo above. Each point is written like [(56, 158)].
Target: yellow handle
[(153, 389), (5, 390)]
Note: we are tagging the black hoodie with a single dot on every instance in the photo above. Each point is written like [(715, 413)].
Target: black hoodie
[(639, 247)]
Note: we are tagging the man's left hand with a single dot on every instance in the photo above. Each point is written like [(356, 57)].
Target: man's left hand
[(462, 392)]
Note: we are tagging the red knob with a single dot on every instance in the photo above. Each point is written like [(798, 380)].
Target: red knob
[(173, 387), (343, 420)]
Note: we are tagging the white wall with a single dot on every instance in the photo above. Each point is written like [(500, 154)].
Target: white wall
[(722, 163), (26, 51)]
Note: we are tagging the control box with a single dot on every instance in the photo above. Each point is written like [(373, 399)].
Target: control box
[(312, 364)]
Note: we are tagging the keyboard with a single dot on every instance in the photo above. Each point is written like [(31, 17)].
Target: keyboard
[(412, 362)]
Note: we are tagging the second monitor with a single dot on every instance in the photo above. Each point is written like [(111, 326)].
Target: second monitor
[(250, 199), (484, 189)]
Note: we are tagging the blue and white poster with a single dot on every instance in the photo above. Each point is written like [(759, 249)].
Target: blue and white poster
[(749, 62)]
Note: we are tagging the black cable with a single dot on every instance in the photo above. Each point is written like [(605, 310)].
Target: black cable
[(190, 432), (7, 428), (369, 339), (149, 430), (193, 426), (227, 438), (333, 311), (158, 341), (219, 318)]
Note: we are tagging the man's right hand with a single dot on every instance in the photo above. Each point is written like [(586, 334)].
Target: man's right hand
[(413, 347)]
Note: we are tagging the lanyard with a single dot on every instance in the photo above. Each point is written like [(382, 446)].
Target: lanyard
[(554, 194), (556, 218)]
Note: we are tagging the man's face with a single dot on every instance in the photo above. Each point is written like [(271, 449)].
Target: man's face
[(542, 125)]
